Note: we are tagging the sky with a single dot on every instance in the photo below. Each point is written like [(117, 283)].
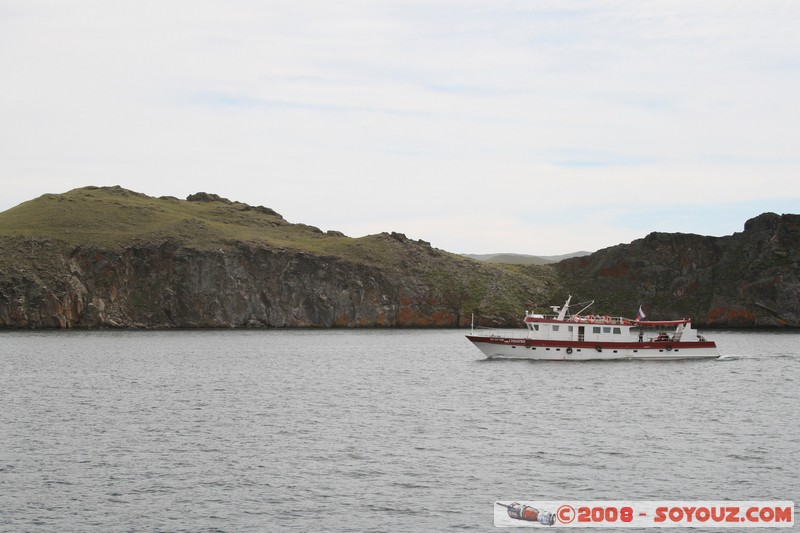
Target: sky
[(481, 126)]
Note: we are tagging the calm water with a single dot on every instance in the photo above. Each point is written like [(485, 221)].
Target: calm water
[(373, 430)]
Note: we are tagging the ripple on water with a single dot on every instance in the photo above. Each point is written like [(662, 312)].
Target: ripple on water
[(371, 430)]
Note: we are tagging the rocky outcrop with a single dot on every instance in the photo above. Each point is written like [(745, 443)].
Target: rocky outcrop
[(166, 285), (109, 257), (748, 279)]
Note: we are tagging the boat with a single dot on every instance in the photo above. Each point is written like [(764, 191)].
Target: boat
[(527, 513), (588, 337)]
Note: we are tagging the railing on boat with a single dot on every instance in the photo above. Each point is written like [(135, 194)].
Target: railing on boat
[(508, 333), (583, 319)]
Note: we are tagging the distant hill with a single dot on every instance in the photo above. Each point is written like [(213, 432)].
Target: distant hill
[(522, 259), (101, 257), (111, 257)]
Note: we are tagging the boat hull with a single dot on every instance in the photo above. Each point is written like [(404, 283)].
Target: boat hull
[(550, 350)]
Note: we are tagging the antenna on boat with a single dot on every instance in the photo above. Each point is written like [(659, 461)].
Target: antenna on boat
[(564, 309)]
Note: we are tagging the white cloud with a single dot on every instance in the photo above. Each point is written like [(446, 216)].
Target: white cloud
[(422, 117)]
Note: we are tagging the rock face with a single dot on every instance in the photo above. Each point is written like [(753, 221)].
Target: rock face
[(108, 257), (748, 279), (166, 285)]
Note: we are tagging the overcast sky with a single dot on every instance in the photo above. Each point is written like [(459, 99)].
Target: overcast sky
[(536, 127)]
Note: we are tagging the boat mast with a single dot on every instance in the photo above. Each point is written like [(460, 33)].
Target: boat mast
[(564, 309)]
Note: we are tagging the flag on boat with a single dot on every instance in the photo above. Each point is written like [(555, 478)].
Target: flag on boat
[(640, 314)]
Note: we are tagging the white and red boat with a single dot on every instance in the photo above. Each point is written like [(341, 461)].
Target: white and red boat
[(586, 337)]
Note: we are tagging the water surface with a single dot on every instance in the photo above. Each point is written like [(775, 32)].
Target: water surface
[(372, 430)]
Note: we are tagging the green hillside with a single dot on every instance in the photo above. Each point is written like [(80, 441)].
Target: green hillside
[(113, 216), (40, 235)]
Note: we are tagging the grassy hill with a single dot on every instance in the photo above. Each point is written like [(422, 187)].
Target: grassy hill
[(42, 234), (113, 216), (110, 257)]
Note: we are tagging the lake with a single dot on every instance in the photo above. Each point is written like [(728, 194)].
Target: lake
[(377, 430)]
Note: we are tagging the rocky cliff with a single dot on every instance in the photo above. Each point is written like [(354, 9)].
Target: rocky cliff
[(108, 257), (748, 279), (209, 262), (167, 285)]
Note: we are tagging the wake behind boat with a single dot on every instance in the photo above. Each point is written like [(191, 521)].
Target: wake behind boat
[(578, 337)]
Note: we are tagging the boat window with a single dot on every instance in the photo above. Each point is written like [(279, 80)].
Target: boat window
[(617, 331), (555, 328), (596, 329), (536, 327), (569, 328), (606, 329)]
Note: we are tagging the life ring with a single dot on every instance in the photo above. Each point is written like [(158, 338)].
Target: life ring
[(669, 348), (598, 348), (569, 350)]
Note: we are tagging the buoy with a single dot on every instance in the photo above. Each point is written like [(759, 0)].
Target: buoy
[(569, 350), (598, 348)]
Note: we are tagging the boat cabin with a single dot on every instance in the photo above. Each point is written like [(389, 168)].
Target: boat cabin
[(594, 328)]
